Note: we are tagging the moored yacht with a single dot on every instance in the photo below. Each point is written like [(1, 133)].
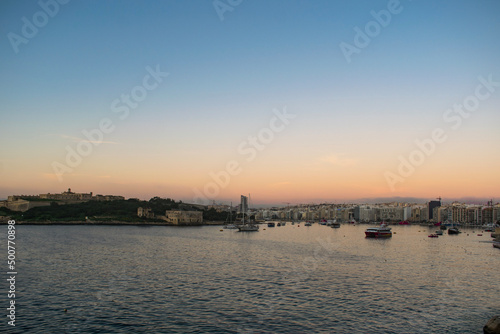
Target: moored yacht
[(248, 228), (230, 226)]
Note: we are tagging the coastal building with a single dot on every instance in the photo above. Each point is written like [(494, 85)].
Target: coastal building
[(431, 205), (145, 212), (25, 202), (458, 213), (365, 213), (442, 214), (244, 204), (107, 198), (178, 217), (391, 213), (67, 196), (416, 214), (406, 213), (496, 213), (16, 203)]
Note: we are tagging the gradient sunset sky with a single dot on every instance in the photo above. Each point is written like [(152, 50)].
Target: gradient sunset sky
[(213, 128)]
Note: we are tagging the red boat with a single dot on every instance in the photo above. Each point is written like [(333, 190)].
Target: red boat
[(378, 232)]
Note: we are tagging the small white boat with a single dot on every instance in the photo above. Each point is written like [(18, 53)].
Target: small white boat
[(231, 227), (248, 228)]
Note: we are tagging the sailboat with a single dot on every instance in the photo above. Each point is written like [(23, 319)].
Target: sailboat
[(229, 222), (246, 226)]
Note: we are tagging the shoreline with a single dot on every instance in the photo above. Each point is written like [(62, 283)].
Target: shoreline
[(111, 222)]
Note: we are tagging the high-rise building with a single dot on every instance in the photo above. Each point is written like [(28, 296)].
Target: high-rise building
[(244, 204), (431, 205)]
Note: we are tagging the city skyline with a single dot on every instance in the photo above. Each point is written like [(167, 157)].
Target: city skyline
[(288, 101)]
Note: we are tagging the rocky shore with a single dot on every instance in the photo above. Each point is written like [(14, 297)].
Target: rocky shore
[(492, 326)]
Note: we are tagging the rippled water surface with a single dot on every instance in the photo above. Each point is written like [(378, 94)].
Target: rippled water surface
[(291, 279)]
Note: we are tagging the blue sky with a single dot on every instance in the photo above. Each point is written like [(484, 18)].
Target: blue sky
[(226, 77)]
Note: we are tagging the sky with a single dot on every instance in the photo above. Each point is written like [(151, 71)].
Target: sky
[(286, 100)]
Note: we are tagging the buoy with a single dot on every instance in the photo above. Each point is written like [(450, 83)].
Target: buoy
[(221, 230), (65, 310)]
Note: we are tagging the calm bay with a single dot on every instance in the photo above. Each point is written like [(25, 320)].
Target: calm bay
[(290, 279)]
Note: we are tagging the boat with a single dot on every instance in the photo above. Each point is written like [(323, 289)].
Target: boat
[(248, 227), (439, 232), (496, 243), (488, 228), (272, 224), (383, 231), (229, 225), (283, 223), (335, 224), (307, 224), (433, 235), (279, 224), (442, 227), (453, 230)]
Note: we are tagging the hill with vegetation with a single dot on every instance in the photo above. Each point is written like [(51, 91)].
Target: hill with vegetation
[(102, 211)]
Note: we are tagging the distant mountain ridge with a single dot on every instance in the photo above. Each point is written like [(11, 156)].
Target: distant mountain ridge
[(380, 200), (467, 200)]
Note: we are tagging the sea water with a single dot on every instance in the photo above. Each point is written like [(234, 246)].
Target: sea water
[(290, 279)]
